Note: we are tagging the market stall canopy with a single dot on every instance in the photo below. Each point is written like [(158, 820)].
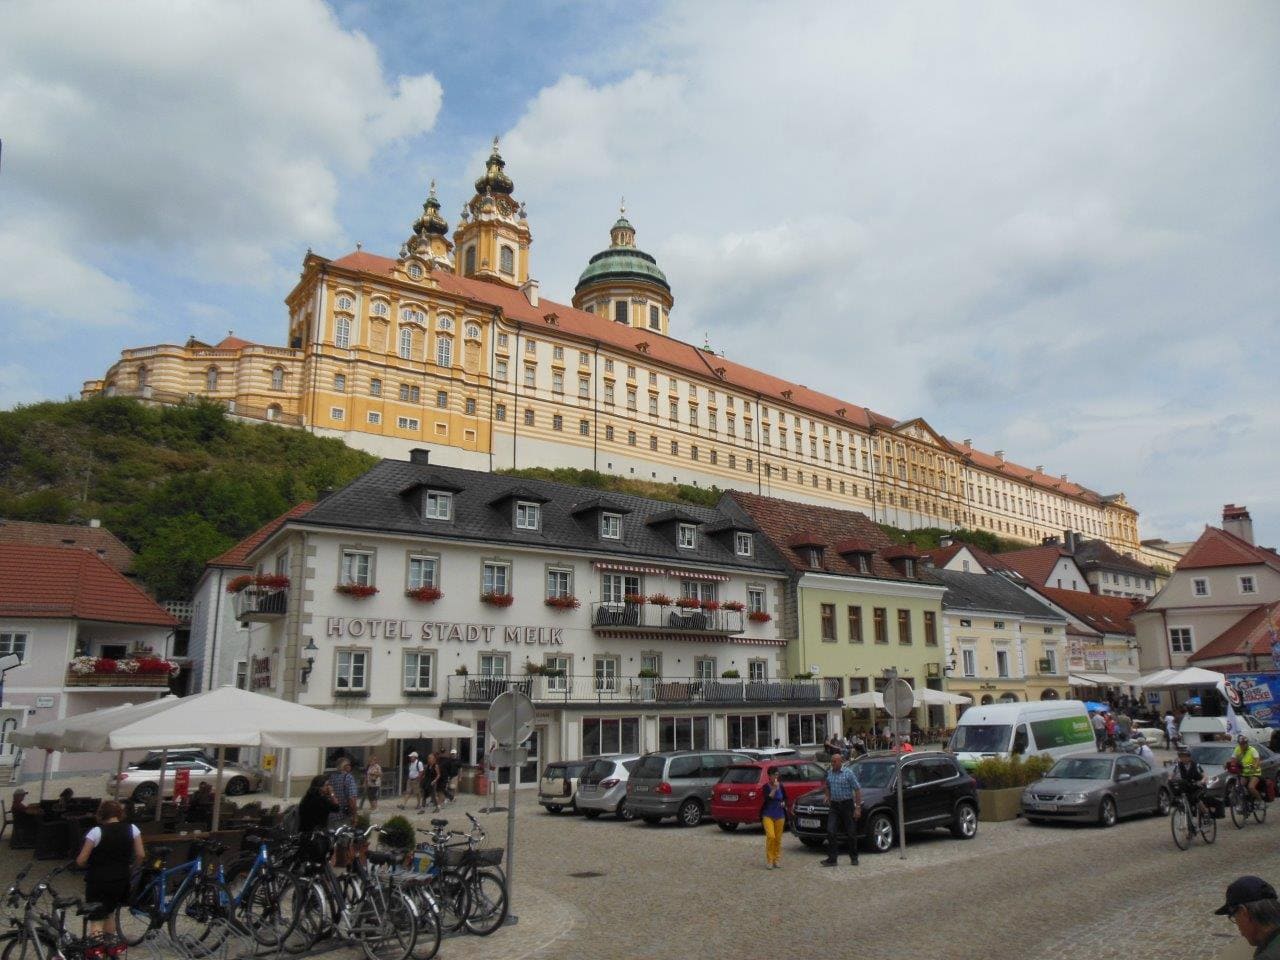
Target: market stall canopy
[(1188, 677), (86, 732), (230, 717), (407, 725)]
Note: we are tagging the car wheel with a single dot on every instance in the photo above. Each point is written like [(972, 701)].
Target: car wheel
[(1164, 803), (145, 793), (813, 842), (880, 830), (965, 824), (554, 808), (1107, 812), (237, 787), (728, 826), (591, 814), (690, 814), (624, 812), (653, 821)]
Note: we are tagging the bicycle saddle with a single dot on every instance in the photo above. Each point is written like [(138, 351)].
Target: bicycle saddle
[(87, 908), (438, 822)]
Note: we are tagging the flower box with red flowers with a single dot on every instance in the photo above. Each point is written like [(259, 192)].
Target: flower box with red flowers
[(424, 594), (660, 600), (357, 591), (735, 605), (688, 603), (497, 599), (759, 616), (262, 581), (711, 606), (635, 599), (563, 603)]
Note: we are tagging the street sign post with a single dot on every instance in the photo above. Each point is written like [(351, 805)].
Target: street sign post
[(511, 718), (899, 701)]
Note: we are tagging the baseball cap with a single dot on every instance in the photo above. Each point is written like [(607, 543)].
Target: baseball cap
[(414, 754), (1246, 890)]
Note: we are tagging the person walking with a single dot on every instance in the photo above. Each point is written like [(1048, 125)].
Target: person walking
[(774, 818), (1099, 728), (431, 783), (110, 851), (345, 793), (1253, 907), (372, 784), (1109, 728), (844, 801), (413, 782), (448, 772), (1170, 730)]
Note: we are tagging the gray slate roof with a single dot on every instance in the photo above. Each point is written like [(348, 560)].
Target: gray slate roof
[(1098, 554), (988, 591), (388, 499)]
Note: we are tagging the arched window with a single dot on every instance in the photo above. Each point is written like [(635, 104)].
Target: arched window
[(415, 271), (507, 260), (469, 261), (211, 380), (277, 378), (342, 333), (406, 343), (473, 331), (380, 308), (444, 351), (142, 377), (345, 302), (444, 323)]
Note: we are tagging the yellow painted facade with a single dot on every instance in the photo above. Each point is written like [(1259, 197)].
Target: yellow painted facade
[(999, 658), (392, 354)]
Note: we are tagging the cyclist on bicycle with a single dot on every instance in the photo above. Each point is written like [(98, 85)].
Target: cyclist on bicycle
[(1188, 773), (1246, 754)]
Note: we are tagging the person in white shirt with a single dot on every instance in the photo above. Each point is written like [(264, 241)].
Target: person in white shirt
[(1170, 729), (413, 782)]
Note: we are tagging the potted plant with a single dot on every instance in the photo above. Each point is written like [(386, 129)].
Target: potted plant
[(565, 602), (688, 603), (648, 674), (711, 606), (397, 834), (633, 599), (660, 600), (1001, 782), (731, 675), (736, 605), (461, 670), (493, 599), (759, 616), (236, 584), (802, 676), (356, 591), (271, 581), (425, 594), (533, 669)]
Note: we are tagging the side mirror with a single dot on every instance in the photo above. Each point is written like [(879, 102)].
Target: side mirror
[(1123, 777)]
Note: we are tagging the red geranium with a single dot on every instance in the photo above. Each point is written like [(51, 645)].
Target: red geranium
[(759, 616), (733, 605), (688, 603), (711, 606), (357, 591), (497, 599), (236, 584), (564, 603), (104, 665), (660, 600), (634, 598), (425, 594)]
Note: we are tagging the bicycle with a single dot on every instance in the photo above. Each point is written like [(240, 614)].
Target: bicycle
[(187, 899), (266, 899), (1186, 823), (1242, 803), (46, 934), (468, 884)]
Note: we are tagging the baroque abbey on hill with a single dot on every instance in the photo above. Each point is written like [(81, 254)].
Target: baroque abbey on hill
[(450, 345)]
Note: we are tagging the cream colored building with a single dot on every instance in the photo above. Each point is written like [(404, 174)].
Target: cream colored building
[(451, 345)]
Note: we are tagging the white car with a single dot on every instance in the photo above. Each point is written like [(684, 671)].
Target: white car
[(140, 781)]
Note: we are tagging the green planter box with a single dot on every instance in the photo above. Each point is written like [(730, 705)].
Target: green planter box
[(995, 805)]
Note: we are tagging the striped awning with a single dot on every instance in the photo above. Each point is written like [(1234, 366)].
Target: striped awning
[(659, 571)]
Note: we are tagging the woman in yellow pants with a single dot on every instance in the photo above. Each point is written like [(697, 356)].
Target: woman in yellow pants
[(774, 818)]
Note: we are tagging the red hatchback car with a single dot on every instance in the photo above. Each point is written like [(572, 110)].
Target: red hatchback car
[(739, 796)]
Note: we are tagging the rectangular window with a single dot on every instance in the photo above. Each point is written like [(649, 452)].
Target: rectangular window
[(557, 673), (602, 736), (631, 398), (356, 567), (755, 600), (528, 416), (407, 423), (616, 587), (675, 448), (557, 422), (1200, 587), (879, 617), (469, 406), (418, 672), (339, 383), (242, 674), (559, 583), (684, 733), (855, 624), (337, 413), (1002, 663), (611, 526), (493, 664), (608, 431), (424, 572), (352, 670), (442, 399), (653, 318), (374, 416), (904, 626), (557, 353), (15, 643), (503, 341), (375, 387), (1246, 585), (557, 382), (437, 505), (531, 346), (500, 369), (495, 578), (1180, 639), (528, 515), (757, 670), (828, 623), (742, 544), (584, 428), (969, 662), (584, 387), (584, 359), (751, 731), (686, 537), (930, 629), (530, 375), (500, 412), (806, 729), (606, 674), (631, 438)]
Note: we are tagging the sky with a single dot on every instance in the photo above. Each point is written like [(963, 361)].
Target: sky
[(1052, 228)]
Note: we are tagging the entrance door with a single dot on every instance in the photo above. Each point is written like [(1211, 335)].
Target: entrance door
[(10, 720), (529, 771)]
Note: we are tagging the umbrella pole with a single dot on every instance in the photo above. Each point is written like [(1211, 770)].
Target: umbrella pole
[(44, 773), (164, 762), (217, 799), (115, 794), (288, 756)]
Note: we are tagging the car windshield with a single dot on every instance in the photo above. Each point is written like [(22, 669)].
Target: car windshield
[(980, 738), (741, 775), (1081, 768), (874, 773), (597, 771), (1212, 754), (650, 767)]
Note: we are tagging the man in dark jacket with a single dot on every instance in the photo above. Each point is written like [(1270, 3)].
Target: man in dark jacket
[(1253, 908), (449, 765)]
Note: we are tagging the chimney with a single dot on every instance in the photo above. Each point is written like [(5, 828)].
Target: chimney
[(1236, 520), (1039, 468), (530, 289), (1050, 541), (95, 523), (420, 455), (968, 442), (1000, 455)]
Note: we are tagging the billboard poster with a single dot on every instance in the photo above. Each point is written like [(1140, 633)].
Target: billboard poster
[(1259, 695)]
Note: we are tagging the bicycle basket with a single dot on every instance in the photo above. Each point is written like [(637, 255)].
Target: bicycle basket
[(474, 858)]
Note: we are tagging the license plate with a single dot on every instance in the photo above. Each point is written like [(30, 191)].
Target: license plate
[(728, 797), (1051, 807), (809, 823)]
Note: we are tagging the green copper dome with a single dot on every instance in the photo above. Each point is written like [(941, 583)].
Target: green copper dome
[(622, 263)]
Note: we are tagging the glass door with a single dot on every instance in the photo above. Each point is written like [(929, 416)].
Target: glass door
[(529, 771)]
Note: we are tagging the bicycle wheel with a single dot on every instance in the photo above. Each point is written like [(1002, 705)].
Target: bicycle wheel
[(1260, 810), (1208, 827), (452, 900), (311, 916), (488, 903), (200, 917), (384, 924), (426, 943), (266, 908), (1180, 825), (1236, 799), (135, 919)]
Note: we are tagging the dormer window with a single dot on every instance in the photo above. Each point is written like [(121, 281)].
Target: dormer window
[(611, 526), (908, 567), (814, 557), (686, 536), (742, 544), (861, 563), (415, 271), (528, 515), (437, 505)]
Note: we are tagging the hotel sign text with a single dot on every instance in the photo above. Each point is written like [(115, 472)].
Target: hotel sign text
[(372, 628)]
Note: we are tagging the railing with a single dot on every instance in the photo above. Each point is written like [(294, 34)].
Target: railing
[(116, 679), (591, 689), (260, 603), (650, 617)]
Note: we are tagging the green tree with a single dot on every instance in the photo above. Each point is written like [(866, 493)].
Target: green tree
[(176, 553)]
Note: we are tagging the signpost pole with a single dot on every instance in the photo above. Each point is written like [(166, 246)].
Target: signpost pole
[(512, 771), (899, 700)]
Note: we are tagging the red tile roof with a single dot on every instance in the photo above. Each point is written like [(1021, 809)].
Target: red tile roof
[(236, 556), (98, 540), (1035, 563), (1217, 548), (779, 519), (1104, 614), (232, 343), (944, 555), (58, 583), (515, 307), (1248, 636)]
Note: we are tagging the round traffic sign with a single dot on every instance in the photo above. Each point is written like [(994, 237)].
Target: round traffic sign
[(511, 718), (899, 698)]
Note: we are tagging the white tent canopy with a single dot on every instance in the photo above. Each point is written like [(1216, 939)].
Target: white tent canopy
[(1187, 677), (1096, 680), (925, 696), (69, 734), (230, 717), (862, 701), (407, 725)]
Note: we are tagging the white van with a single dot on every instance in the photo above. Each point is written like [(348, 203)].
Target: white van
[(1055, 727), (1204, 729)]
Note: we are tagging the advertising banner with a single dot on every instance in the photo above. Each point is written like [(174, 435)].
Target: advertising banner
[(181, 784), (1259, 695)]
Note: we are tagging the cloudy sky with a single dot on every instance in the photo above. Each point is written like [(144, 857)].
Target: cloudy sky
[(1051, 227)]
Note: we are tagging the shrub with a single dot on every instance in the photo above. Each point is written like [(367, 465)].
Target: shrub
[(998, 773), (397, 833), (730, 675)]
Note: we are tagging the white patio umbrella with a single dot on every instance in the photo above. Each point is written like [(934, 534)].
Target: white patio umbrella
[(927, 696), (406, 725), (230, 717), (864, 701)]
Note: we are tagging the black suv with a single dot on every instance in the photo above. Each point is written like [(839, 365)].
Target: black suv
[(936, 793)]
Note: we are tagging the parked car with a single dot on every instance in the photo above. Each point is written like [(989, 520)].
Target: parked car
[(1213, 758), (937, 792), (769, 753), (558, 785), (141, 781), (602, 788), (739, 796), (1099, 788), (677, 784)]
